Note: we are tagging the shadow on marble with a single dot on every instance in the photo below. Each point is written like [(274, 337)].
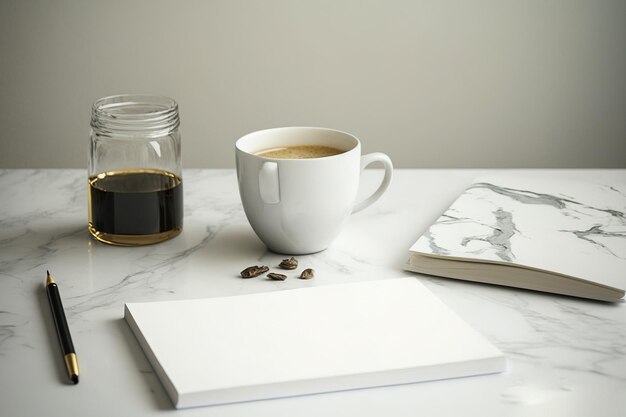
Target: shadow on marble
[(231, 242), (502, 292), (143, 367)]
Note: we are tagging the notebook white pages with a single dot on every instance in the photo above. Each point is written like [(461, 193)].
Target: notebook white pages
[(293, 342)]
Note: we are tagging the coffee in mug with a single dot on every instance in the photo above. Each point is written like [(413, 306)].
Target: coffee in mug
[(299, 152)]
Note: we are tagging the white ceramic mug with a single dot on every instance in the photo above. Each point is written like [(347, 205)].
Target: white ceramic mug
[(299, 206)]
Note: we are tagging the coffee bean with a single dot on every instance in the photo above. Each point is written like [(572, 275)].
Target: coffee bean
[(289, 263), (307, 274), (254, 271), (276, 277)]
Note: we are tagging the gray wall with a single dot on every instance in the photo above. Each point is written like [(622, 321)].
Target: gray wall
[(500, 83)]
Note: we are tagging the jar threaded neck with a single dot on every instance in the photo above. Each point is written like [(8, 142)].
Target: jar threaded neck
[(135, 115)]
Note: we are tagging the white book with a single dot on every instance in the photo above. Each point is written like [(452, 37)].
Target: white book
[(305, 341), (564, 237)]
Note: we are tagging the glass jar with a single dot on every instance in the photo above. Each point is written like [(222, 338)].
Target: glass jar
[(135, 173)]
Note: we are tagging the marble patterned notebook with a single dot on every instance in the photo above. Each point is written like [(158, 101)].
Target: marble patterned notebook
[(565, 237)]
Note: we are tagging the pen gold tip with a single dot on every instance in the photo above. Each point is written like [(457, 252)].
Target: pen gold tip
[(71, 363)]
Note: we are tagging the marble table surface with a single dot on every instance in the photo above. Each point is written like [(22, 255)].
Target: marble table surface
[(566, 356)]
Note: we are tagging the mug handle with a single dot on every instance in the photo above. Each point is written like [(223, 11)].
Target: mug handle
[(365, 161)]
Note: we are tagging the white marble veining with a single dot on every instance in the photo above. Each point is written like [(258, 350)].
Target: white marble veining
[(566, 356), (576, 228)]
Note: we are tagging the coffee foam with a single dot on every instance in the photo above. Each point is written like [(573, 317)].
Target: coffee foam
[(299, 152)]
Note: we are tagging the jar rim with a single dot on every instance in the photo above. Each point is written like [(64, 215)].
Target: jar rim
[(135, 115)]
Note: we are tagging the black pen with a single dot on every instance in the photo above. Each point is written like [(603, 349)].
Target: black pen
[(63, 331)]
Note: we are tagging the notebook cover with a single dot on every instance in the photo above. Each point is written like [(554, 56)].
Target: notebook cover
[(304, 341), (570, 228)]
